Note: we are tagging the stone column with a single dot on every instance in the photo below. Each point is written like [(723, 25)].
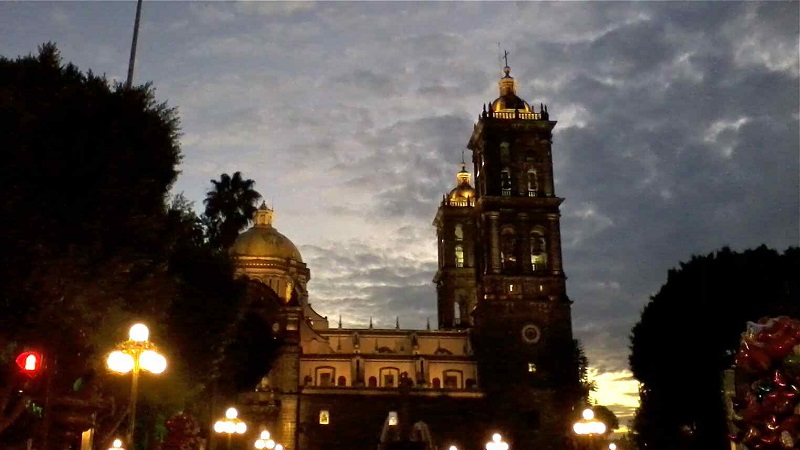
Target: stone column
[(554, 243), (525, 242), (494, 241), (287, 421)]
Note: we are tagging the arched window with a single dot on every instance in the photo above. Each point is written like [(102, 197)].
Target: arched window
[(437, 383), (459, 232), (538, 250), (389, 376), (342, 381), (533, 186), (459, 255), (508, 245), (373, 382), (505, 181)]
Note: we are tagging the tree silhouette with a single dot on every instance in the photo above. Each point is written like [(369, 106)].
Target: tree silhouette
[(230, 206), (90, 243), (688, 334)]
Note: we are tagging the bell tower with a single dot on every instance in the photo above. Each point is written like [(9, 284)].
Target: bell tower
[(456, 234), (522, 321)]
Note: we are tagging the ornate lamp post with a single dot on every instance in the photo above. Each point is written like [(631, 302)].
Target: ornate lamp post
[(131, 356), (496, 443), (231, 425), (588, 426), (264, 441)]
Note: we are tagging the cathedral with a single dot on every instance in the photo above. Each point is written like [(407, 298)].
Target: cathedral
[(502, 356)]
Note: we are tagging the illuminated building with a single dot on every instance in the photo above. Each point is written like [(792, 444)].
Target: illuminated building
[(501, 358)]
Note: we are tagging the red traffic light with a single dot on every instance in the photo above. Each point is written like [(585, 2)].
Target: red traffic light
[(30, 362)]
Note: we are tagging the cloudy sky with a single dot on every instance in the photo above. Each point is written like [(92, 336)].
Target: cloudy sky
[(677, 131)]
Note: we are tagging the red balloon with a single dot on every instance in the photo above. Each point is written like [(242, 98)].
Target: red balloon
[(753, 413), (751, 435), (790, 424), (779, 347), (770, 438), (779, 378)]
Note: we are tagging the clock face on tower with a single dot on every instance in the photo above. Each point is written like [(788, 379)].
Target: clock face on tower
[(531, 334)]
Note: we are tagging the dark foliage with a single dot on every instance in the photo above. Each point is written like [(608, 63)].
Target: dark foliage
[(183, 433), (89, 243), (86, 167), (688, 334)]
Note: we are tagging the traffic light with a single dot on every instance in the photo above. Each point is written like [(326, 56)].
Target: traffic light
[(30, 363)]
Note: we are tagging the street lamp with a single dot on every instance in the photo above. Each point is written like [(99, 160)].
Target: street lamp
[(131, 356), (496, 443), (265, 442), (117, 445), (231, 425), (588, 426)]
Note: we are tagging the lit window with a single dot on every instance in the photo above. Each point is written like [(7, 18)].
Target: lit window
[(324, 417), (459, 255), (459, 232), (538, 250), (531, 367), (510, 288)]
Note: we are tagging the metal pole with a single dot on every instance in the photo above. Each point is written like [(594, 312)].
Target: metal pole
[(132, 60), (229, 440), (48, 415), (134, 394)]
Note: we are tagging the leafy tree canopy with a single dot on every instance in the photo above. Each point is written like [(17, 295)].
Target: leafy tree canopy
[(688, 334), (90, 241)]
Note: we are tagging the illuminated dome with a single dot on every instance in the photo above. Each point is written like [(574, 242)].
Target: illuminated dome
[(508, 100), (264, 241), (463, 192)]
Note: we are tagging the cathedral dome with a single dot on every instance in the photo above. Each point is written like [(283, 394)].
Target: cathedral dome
[(264, 241), (508, 100), (463, 192)]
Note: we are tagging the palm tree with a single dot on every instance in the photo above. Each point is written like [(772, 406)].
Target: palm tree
[(230, 206)]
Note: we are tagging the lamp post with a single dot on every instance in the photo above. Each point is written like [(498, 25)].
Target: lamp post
[(116, 445), (131, 356), (231, 425), (588, 426), (496, 443), (264, 441)]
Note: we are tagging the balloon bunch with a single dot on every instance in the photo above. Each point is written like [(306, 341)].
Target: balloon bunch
[(767, 406)]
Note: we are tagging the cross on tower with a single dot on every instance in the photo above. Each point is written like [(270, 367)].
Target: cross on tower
[(505, 56)]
